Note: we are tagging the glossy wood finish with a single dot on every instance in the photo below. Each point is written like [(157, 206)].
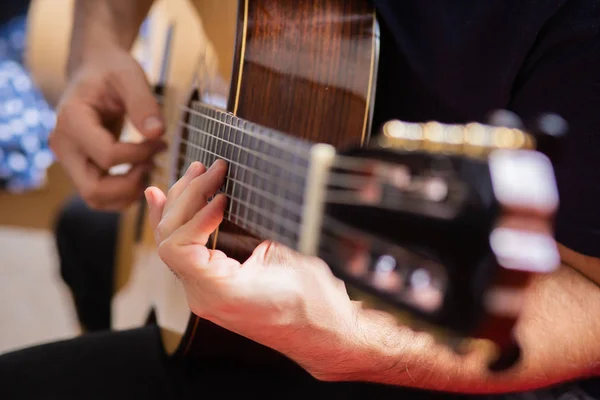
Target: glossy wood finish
[(305, 68)]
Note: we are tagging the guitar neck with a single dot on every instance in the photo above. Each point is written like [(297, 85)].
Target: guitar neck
[(267, 175)]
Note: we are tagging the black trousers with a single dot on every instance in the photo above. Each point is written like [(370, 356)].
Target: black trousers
[(133, 365), (86, 243)]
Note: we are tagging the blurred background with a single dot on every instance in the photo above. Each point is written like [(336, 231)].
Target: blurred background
[(35, 304), (37, 288)]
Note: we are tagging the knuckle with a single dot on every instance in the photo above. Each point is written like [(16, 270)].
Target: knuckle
[(163, 249), (165, 252), (173, 190), (104, 159), (162, 232)]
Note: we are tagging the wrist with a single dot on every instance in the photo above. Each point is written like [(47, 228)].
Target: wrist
[(93, 53), (102, 27)]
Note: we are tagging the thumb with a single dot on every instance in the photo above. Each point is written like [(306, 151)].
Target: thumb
[(140, 103)]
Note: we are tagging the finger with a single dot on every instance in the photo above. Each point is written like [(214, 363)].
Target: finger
[(156, 201), (197, 230), (142, 108), (133, 153), (105, 150), (82, 125), (194, 197), (194, 170), (108, 192)]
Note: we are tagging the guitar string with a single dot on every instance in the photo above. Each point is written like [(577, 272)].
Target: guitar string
[(301, 148), (257, 172), (262, 174), (345, 162), (350, 163), (338, 179), (266, 158), (332, 196), (342, 195)]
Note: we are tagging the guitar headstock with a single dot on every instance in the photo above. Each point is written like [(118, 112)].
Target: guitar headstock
[(443, 225)]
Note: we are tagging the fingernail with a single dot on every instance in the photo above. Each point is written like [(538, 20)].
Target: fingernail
[(149, 196), (193, 167), (214, 165), (153, 124)]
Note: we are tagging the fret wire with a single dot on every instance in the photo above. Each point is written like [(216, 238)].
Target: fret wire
[(192, 152), (253, 165), (227, 131), (205, 139), (209, 145), (272, 160), (305, 152), (197, 152), (289, 224), (263, 175), (245, 162), (235, 168), (270, 186), (220, 140), (205, 155), (188, 153), (291, 242), (282, 201)]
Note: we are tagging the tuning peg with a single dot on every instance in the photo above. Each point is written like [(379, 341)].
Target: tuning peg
[(549, 131), (506, 119)]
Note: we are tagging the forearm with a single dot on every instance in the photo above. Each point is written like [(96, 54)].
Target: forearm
[(558, 331), (103, 24)]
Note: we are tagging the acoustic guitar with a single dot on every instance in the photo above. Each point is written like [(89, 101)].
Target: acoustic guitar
[(411, 215)]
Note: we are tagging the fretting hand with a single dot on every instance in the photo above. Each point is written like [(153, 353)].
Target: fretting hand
[(279, 298)]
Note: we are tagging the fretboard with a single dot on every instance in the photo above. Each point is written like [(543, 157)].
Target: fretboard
[(267, 170)]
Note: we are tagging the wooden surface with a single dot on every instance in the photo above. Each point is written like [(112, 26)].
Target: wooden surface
[(306, 68)]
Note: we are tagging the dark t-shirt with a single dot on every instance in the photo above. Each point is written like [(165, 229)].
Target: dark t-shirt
[(12, 8), (457, 60)]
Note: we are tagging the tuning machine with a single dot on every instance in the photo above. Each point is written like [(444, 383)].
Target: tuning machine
[(549, 130)]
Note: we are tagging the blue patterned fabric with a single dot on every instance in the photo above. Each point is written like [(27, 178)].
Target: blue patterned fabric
[(25, 118)]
